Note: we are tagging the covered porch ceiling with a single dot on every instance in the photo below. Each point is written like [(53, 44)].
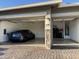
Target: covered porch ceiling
[(24, 19), (65, 19), (35, 19)]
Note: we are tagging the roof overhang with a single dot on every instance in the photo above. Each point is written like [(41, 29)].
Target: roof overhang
[(69, 5), (51, 2)]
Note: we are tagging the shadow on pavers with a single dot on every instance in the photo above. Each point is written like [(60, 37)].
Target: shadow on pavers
[(65, 47), (2, 51)]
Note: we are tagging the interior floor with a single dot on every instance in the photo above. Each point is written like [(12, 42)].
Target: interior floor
[(64, 41), (36, 41)]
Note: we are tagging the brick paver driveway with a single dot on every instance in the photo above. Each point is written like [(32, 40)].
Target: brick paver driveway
[(30, 52)]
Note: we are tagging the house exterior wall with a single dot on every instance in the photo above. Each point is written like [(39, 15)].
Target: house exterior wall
[(74, 30), (65, 12), (29, 12), (38, 30), (68, 12)]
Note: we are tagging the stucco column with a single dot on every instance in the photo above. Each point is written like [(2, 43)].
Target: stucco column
[(48, 30)]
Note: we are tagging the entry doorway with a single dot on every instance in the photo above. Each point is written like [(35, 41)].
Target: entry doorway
[(57, 29)]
